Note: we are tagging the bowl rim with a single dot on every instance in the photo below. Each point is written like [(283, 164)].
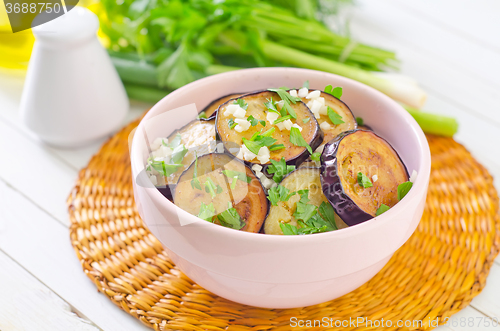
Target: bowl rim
[(419, 186)]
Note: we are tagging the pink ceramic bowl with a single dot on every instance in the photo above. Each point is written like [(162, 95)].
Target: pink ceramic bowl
[(281, 271)]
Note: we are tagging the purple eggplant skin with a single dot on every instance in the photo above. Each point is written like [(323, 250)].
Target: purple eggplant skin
[(213, 107), (169, 188), (344, 206), (316, 141), (348, 211)]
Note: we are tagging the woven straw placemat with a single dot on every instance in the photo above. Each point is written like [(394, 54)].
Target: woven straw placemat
[(435, 274)]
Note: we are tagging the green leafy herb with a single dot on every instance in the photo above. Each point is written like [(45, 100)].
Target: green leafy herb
[(207, 212), (211, 188), (297, 139), (233, 183), (288, 229), (268, 133), (316, 156), (334, 117), (360, 121), (403, 189), (282, 119), (164, 143), (253, 121), (202, 115), (305, 120), (364, 181), (382, 209), (241, 103), (195, 182), (271, 106), (175, 142), (239, 175), (230, 218), (304, 211), (327, 213), (287, 99), (279, 193), (276, 147), (306, 84), (231, 123), (260, 141), (280, 169), (164, 168), (253, 146), (178, 154), (336, 92)]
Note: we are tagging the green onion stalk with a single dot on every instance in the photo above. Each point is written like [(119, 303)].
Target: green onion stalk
[(158, 46)]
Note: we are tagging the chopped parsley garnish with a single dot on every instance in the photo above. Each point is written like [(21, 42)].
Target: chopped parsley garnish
[(279, 193), (231, 123), (334, 117), (175, 162), (253, 121), (259, 140), (211, 188), (276, 147), (364, 181), (297, 139), (305, 120), (195, 182), (288, 229), (360, 121), (230, 218), (316, 156), (336, 92), (310, 219), (271, 106), (202, 115), (178, 154), (233, 183), (403, 189), (241, 103), (282, 119), (306, 84), (382, 209), (304, 211), (164, 168), (327, 213), (280, 169), (255, 145), (207, 212), (287, 99), (175, 142), (239, 175)]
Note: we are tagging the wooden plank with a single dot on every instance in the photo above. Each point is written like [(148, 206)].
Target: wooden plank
[(488, 301), (27, 304), (10, 96), (475, 20), (377, 24), (42, 177), (41, 245), (469, 319), (439, 42)]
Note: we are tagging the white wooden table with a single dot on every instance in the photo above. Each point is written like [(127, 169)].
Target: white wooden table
[(452, 47)]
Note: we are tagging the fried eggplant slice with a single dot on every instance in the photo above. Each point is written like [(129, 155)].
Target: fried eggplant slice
[(211, 110), (341, 113), (295, 182), (248, 117), (221, 189), (360, 171), (182, 146)]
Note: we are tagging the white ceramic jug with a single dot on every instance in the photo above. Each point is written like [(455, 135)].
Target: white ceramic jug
[(72, 94)]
